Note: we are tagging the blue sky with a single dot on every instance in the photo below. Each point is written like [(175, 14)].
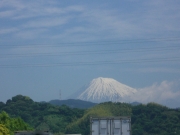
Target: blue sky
[(47, 46)]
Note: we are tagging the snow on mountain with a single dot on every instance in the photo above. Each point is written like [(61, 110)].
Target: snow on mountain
[(105, 89)]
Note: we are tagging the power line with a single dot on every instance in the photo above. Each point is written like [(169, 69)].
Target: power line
[(148, 49), (129, 50), (95, 43), (172, 59)]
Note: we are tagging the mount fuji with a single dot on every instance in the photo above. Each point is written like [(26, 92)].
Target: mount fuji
[(103, 90)]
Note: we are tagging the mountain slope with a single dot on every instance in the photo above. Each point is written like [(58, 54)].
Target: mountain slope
[(73, 103), (105, 89)]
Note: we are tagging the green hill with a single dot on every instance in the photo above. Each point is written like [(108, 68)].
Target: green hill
[(155, 119), (150, 119), (73, 103), (82, 125), (8, 125), (42, 116)]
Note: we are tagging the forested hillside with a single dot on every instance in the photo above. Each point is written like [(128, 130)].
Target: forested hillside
[(154, 119), (150, 119), (8, 125), (82, 125), (73, 103), (42, 116)]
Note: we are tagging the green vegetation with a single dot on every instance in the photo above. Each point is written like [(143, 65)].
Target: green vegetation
[(73, 103), (150, 119), (82, 125), (154, 119), (41, 116), (4, 130), (8, 125)]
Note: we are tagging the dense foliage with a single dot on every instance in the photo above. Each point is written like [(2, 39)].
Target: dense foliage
[(150, 119), (4, 130), (41, 116), (73, 103), (8, 125), (82, 125), (154, 119)]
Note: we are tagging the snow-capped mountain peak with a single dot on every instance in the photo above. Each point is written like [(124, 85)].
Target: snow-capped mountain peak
[(105, 89)]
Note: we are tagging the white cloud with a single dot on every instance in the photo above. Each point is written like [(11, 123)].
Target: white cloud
[(6, 13), (166, 93), (101, 22), (46, 22), (160, 69), (162, 15), (30, 34), (8, 30)]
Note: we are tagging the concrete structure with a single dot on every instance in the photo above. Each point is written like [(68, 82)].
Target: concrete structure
[(110, 126)]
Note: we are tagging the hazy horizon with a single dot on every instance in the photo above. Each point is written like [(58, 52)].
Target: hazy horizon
[(52, 46)]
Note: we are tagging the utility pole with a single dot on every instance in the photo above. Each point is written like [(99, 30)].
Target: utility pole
[(60, 94)]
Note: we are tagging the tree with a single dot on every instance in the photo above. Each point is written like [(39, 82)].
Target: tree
[(12, 124), (4, 130)]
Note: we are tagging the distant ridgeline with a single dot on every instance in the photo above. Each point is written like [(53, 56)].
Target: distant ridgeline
[(150, 119), (32, 133), (73, 103)]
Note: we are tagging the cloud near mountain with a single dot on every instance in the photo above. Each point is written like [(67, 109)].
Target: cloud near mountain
[(166, 93), (107, 89)]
